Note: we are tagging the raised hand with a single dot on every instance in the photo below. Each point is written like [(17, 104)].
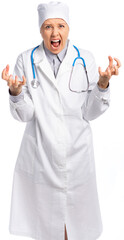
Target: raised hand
[(112, 69), (15, 85)]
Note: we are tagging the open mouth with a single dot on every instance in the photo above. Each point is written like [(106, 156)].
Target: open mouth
[(55, 43)]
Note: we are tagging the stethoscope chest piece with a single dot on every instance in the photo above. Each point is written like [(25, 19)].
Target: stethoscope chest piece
[(35, 83)]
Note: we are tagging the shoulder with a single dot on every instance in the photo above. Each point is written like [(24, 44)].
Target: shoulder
[(88, 57), (24, 54), (37, 51), (87, 54)]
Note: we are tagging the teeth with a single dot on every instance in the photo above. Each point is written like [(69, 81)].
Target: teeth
[(55, 40)]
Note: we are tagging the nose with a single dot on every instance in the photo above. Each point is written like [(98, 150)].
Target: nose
[(55, 32)]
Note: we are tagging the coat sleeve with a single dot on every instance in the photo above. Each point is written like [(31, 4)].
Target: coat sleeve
[(23, 109), (97, 100)]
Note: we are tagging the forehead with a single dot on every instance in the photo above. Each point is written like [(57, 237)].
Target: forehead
[(54, 21)]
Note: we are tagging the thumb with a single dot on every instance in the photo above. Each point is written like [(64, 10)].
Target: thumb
[(100, 71), (24, 80)]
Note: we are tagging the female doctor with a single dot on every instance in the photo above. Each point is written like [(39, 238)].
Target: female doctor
[(54, 193)]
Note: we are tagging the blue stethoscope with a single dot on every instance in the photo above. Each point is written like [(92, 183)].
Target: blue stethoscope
[(35, 83)]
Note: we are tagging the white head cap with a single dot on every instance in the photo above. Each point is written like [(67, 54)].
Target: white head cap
[(53, 10)]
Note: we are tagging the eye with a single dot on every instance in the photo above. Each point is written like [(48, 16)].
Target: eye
[(61, 26), (47, 27)]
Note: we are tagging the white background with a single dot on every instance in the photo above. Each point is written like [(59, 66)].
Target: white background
[(96, 25)]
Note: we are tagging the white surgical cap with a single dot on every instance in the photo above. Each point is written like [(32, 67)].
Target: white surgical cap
[(53, 10)]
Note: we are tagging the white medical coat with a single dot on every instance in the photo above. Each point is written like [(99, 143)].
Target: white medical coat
[(54, 180)]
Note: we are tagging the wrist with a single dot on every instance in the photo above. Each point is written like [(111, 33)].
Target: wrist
[(103, 85), (15, 92)]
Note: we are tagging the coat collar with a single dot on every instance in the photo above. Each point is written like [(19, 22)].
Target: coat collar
[(40, 60), (60, 56), (39, 54)]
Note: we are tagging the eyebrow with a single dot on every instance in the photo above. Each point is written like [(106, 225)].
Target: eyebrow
[(57, 23)]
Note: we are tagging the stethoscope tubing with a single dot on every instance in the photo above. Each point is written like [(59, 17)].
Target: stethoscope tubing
[(79, 57), (32, 62)]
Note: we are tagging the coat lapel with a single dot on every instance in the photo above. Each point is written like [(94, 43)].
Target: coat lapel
[(41, 62), (67, 62)]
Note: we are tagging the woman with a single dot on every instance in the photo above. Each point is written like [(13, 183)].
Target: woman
[(54, 189)]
